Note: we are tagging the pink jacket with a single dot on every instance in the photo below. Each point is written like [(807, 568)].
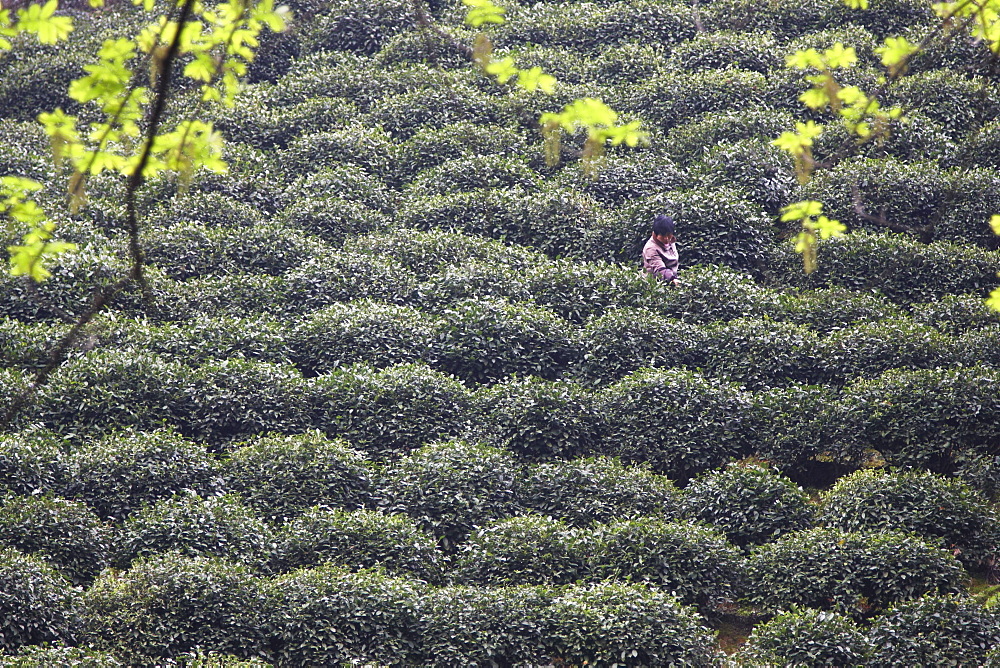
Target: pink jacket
[(660, 259)]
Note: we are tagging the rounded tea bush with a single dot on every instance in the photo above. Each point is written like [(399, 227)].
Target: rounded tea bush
[(432, 146), (857, 574), (806, 637), (390, 412), (828, 310), (281, 476), (68, 535), (625, 340), (695, 563), (539, 419), (749, 503), (235, 398), (869, 349), (121, 472), (928, 505), (366, 331), (453, 487), (909, 417), (486, 340), (589, 491), (531, 549), (956, 314), (169, 604), (329, 616), (358, 539), (425, 253), (221, 526), (32, 462), (678, 422), (111, 389), (604, 623), (36, 604), (473, 174), (344, 26), (483, 626), (934, 631)]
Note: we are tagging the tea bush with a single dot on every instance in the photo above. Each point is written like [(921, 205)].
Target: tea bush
[(342, 277), (695, 563), (678, 422), (67, 535), (539, 419), (484, 626), (902, 193), (721, 49), (606, 623), (234, 296), (795, 424), (328, 616), (531, 549), (332, 218), (475, 173), (855, 574), (33, 656), (365, 331), (432, 146), (806, 637), (207, 210), (370, 148), (119, 473), (903, 270), (763, 173), (187, 251), (281, 476), (424, 253), (235, 398), (749, 503), (694, 93), (934, 630), (486, 340), (928, 505), (625, 63), (955, 100), (827, 310), (204, 338), (358, 539), (956, 314), (759, 353), (909, 417), (169, 604), (402, 115), (390, 412), (975, 195), (453, 487), (342, 181), (624, 340), (688, 141), (343, 26), (112, 390), (625, 178), (476, 279), (597, 490), (427, 46), (867, 350), (32, 462), (38, 604), (221, 526), (583, 290)]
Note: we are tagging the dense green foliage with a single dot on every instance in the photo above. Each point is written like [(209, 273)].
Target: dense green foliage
[(402, 395)]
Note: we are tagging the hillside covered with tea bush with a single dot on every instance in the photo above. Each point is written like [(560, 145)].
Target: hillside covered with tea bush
[(401, 395)]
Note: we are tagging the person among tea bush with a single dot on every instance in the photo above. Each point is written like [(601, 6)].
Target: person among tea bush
[(659, 255)]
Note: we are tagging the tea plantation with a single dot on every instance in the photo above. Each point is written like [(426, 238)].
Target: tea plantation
[(400, 394)]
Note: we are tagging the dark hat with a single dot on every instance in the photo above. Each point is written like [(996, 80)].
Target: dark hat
[(663, 224)]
